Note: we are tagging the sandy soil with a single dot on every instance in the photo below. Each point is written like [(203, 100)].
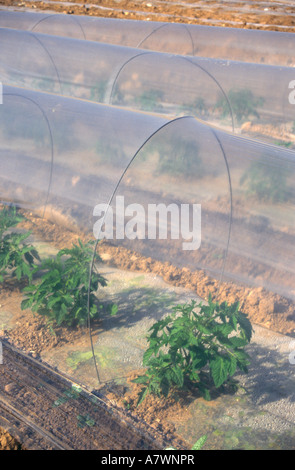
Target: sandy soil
[(29, 333), (264, 308), (60, 411), (7, 442), (239, 14)]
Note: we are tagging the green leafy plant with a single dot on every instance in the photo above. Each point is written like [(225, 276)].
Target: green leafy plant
[(197, 107), (197, 345), (69, 394), (281, 143), (110, 154), (49, 85), (180, 157), (150, 100), (243, 104), (198, 445), (97, 92), (266, 182), (62, 293), (85, 420), (16, 257), (74, 394), (33, 129)]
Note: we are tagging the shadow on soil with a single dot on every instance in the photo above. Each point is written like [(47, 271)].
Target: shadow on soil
[(137, 304), (271, 376)]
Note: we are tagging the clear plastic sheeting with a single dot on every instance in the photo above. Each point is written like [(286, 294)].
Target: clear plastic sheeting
[(142, 157), (65, 154), (265, 47), (55, 24), (83, 155), (140, 80), (261, 248), (26, 151), (229, 94), (197, 200), (247, 198), (58, 157), (178, 192), (171, 185)]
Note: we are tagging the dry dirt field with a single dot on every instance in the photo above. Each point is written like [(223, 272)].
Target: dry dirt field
[(270, 15)]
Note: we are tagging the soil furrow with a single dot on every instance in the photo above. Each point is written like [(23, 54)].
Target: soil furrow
[(63, 415)]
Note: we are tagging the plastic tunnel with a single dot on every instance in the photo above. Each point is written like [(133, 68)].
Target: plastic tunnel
[(177, 192), (229, 94), (168, 156), (59, 158), (242, 187), (53, 135), (266, 47)]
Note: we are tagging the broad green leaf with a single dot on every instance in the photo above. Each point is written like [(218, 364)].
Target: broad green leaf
[(219, 371), (238, 342), (26, 303), (142, 396), (114, 309), (245, 324), (142, 379), (231, 365), (200, 443), (147, 355), (177, 375)]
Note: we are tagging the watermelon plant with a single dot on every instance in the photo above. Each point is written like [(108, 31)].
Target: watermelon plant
[(61, 294), (243, 103), (150, 100), (196, 346), (266, 182), (180, 158), (198, 445), (17, 258)]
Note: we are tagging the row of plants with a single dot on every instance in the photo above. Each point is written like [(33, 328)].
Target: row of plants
[(263, 180), (54, 287), (198, 346), (244, 104)]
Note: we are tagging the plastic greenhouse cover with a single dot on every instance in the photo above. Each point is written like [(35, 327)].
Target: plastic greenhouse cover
[(64, 155), (45, 140), (202, 200), (176, 191), (250, 98), (246, 192), (227, 43)]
